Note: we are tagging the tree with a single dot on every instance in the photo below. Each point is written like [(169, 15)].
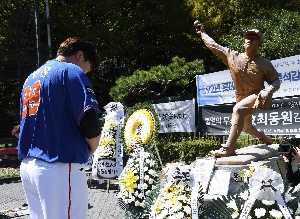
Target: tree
[(226, 21), (158, 82), (281, 33), (16, 28)]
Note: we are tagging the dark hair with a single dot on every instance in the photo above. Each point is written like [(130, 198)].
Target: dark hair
[(74, 44)]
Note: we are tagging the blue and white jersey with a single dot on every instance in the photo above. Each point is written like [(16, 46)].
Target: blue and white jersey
[(54, 100)]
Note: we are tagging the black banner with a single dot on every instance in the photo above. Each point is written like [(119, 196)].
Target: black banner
[(282, 119)]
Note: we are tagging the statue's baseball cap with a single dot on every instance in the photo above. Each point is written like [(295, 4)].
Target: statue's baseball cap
[(253, 31)]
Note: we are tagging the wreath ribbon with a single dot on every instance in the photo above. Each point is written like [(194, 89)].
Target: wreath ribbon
[(265, 184)]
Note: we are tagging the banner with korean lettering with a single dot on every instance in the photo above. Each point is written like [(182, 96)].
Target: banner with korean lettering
[(282, 119), (218, 88), (176, 116)]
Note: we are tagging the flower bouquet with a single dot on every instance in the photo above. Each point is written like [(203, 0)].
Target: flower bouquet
[(107, 143), (265, 196), (175, 198), (136, 183)]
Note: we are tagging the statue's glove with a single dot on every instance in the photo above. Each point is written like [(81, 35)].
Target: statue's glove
[(264, 98)]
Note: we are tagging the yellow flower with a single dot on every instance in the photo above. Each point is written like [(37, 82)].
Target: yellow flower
[(140, 127), (129, 180), (174, 199), (168, 189), (159, 208)]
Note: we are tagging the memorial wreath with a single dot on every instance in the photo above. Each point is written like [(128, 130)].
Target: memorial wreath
[(140, 175), (264, 196)]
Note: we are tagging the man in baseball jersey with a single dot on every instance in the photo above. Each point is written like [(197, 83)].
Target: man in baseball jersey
[(249, 71), (59, 129)]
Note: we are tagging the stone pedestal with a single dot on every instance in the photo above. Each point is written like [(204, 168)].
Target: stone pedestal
[(258, 154), (236, 181), (248, 154)]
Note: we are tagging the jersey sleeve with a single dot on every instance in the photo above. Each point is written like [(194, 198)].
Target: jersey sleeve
[(80, 93), (222, 52)]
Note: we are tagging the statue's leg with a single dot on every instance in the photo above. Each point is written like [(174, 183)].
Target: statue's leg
[(251, 130), (240, 111)]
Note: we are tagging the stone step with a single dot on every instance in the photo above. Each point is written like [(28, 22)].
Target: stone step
[(248, 154)]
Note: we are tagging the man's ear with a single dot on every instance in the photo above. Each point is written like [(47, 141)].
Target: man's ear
[(79, 56)]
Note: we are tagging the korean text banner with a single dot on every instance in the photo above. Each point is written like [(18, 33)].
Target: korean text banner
[(176, 116), (218, 88), (282, 119)]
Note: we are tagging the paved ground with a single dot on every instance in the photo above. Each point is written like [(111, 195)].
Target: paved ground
[(102, 204)]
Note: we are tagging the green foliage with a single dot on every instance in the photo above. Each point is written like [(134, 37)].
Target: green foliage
[(186, 149), (134, 36), (131, 211), (160, 81), (9, 172), (280, 34)]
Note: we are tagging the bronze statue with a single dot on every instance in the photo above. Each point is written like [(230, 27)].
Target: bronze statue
[(249, 71)]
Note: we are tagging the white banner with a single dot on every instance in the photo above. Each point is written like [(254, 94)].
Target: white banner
[(218, 87), (176, 116)]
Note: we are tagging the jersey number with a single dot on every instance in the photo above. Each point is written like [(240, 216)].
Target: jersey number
[(31, 99)]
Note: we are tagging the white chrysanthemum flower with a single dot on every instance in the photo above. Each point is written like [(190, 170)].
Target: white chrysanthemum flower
[(275, 213), (164, 213), (259, 212), (266, 202), (146, 177), (232, 205), (146, 155), (235, 214), (171, 211), (160, 217), (180, 215), (140, 195), (168, 204), (152, 172), (151, 181), (187, 209), (177, 206), (244, 195), (182, 197)]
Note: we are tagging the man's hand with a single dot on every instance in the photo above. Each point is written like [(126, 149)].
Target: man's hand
[(297, 155), (285, 158), (199, 27)]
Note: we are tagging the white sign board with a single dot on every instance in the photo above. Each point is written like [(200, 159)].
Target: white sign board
[(176, 116), (107, 169), (203, 169), (219, 184)]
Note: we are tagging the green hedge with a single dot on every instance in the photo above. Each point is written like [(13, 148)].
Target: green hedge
[(187, 149), (175, 148)]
